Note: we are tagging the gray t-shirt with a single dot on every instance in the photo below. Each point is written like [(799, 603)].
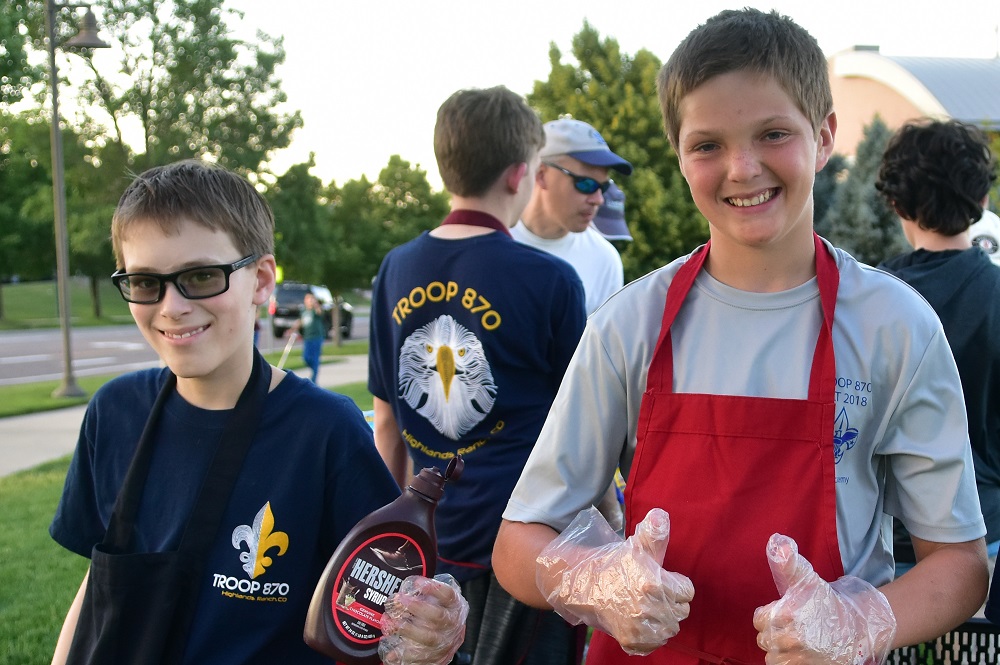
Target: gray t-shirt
[(901, 438)]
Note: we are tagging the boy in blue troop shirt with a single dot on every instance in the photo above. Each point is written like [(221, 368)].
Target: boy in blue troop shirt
[(471, 332), (194, 246), (771, 403)]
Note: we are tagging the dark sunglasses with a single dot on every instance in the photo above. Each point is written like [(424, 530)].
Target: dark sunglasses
[(148, 288), (583, 184)]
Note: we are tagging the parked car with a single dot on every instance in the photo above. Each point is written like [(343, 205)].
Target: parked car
[(285, 307)]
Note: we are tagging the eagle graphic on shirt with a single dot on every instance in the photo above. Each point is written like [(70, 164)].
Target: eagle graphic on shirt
[(445, 377)]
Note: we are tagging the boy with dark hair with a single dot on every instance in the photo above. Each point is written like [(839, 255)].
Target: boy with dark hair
[(937, 174), (775, 397), (470, 335), (211, 493)]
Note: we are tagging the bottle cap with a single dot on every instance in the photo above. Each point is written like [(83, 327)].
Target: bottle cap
[(430, 482)]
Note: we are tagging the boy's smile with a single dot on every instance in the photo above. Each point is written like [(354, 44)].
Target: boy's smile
[(206, 342), (750, 157)]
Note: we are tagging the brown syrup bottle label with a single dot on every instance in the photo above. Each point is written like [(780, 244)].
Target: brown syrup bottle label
[(374, 571)]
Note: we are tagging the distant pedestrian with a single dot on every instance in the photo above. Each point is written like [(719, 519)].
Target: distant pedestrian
[(312, 326)]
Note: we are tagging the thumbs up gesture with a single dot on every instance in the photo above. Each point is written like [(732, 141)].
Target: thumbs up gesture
[(589, 574), (847, 622)]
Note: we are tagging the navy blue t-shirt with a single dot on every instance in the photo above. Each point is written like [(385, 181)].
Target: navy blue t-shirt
[(469, 341), (310, 475)]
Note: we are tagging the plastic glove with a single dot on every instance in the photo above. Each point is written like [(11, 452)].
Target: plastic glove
[(589, 574), (847, 622), (423, 622)]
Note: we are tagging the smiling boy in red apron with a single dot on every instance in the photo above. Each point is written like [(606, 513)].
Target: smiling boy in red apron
[(765, 384)]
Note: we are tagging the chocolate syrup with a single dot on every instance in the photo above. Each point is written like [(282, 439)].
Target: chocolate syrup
[(389, 545)]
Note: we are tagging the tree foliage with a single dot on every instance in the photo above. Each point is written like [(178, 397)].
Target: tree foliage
[(859, 220), (17, 74), (825, 189), (193, 88), (27, 248), (616, 93), (339, 236), (189, 86), (369, 219), (301, 235)]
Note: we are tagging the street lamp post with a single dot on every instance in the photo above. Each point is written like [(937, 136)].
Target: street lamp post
[(87, 38)]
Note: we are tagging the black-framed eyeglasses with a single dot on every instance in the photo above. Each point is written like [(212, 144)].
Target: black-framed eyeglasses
[(583, 184), (148, 288)]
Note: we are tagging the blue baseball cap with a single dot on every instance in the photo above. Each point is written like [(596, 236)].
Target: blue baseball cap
[(579, 140), (610, 218)]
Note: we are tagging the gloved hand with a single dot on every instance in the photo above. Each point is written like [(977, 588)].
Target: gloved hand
[(847, 622), (589, 574), (423, 622)]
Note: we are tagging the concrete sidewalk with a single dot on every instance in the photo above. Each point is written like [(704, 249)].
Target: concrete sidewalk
[(27, 441)]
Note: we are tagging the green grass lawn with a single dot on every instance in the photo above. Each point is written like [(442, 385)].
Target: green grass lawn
[(38, 579), (35, 305)]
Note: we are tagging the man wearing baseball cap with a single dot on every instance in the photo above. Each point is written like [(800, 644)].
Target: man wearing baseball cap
[(569, 189)]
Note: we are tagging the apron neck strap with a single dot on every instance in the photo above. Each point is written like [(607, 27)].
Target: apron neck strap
[(822, 377), (221, 477)]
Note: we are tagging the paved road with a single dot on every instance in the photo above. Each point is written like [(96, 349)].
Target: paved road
[(30, 356)]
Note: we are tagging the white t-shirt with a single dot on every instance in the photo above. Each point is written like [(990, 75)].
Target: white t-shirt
[(900, 415), (595, 259)]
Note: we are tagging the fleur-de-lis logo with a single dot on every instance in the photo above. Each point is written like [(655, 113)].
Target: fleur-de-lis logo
[(844, 436), (259, 539)]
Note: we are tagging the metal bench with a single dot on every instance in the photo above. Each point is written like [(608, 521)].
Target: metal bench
[(975, 642)]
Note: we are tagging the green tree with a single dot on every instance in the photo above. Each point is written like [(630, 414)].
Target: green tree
[(859, 220), (301, 233), (27, 245), (825, 190), (192, 88), (616, 93), (404, 201), (195, 89), (17, 74), (357, 242), (369, 219)]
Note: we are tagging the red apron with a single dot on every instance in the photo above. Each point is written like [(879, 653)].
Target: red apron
[(731, 471)]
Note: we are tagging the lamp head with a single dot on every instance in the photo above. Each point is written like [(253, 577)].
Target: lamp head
[(87, 37)]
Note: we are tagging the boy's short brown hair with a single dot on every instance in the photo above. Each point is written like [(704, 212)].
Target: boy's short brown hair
[(479, 133), (937, 173), (196, 191), (749, 40)]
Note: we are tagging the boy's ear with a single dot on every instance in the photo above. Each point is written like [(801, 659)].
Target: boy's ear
[(824, 139), (266, 277), (515, 176)]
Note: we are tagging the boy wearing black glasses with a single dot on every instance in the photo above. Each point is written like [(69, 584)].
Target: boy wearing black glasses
[(207, 519), (569, 189)]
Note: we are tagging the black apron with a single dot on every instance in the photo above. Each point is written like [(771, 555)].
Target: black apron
[(138, 606)]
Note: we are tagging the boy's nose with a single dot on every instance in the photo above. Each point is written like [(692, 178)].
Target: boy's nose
[(744, 164), (173, 302)]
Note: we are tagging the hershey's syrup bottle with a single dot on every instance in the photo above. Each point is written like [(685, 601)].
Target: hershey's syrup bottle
[(389, 545)]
